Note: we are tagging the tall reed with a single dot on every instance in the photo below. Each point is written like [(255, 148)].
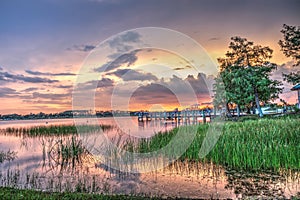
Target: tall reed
[(54, 130), (260, 144)]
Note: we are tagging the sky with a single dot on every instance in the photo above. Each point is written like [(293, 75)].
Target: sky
[(97, 52)]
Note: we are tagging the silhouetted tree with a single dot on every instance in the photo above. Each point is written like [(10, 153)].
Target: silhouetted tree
[(245, 72), (290, 45)]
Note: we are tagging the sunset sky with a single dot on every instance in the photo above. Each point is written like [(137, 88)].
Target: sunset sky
[(46, 45)]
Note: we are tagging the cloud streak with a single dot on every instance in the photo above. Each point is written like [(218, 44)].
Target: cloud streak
[(82, 47), (131, 75), (182, 68), (90, 85), (9, 77), (7, 92), (127, 59), (123, 43), (37, 73), (65, 86), (214, 38), (52, 96), (169, 92), (56, 102), (31, 89)]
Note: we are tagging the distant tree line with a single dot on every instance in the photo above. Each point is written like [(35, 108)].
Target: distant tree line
[(67, 114)]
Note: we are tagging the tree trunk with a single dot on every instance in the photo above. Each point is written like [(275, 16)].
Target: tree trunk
[(215, 111), (228, 111), (238, 110), (248, 110), (253, 108), (204, 116), (257, 103), (298, 98)]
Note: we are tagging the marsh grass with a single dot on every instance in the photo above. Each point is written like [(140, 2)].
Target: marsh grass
[(81, 184), (68, 152), (61, 144), (54, 130), (7, 156), (255, 145), (258, 145), (17, 194)]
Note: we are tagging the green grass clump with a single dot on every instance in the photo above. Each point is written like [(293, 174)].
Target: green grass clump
[(9, 155), (256, 145), (55, 130), (69, 150), (18, 194), (262, 144)]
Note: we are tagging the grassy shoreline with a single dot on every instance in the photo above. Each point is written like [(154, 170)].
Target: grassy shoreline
[(7, 193), (250, 145), (263, 144), (54, 130), (271, 144)]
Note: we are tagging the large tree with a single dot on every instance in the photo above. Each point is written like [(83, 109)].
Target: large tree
[(290, 45), (234, 84), (245, 72)]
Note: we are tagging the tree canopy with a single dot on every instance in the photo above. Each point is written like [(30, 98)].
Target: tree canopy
[(245, 75), (290, 45)]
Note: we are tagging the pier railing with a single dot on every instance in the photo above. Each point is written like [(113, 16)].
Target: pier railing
[(178, 116)]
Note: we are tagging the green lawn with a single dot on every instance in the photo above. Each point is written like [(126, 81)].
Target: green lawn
[(16, 194)]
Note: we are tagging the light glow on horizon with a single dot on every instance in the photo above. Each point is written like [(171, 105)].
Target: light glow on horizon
[(42, 54)]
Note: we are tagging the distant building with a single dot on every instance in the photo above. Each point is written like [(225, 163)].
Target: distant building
[(72, 113), (297, 88)]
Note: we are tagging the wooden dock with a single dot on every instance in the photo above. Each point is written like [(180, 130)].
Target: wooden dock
[(188, 116)]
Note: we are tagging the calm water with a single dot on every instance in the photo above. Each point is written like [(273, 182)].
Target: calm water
[(38, 164)]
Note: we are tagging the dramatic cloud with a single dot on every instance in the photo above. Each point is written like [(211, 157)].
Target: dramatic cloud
[(90, 85), (102, 89), (52, 96), (7, 92), (286, 68), (65, 86), (179, 68), (5, 76), (127, 59), (84, 48), (130, 75), (154, 94), (199, 84), (123, 43), (1, 68), (39, 40), (123, 52), (105, 82), (31, 89), (166, 92), (182, 68), (49, 73)]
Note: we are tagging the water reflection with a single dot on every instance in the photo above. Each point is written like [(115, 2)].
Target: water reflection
[(64, 163), (7, 156), (266, 184)]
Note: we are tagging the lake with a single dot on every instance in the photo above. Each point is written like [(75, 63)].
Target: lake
[(39, 164)]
